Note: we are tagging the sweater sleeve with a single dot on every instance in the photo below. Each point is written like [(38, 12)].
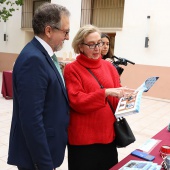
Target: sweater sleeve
[(83, 96)]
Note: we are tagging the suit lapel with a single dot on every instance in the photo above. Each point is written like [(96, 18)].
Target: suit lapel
[(57, 73), (41, 48)]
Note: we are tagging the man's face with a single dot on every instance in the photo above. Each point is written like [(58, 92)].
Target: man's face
[(59, 35)]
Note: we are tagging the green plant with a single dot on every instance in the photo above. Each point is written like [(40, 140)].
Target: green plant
[(7, 7)]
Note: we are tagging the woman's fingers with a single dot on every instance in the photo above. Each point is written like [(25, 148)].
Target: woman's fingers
[(125, 92), (120, 92)]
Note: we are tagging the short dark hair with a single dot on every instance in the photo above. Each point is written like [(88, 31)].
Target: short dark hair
[(48, 14)]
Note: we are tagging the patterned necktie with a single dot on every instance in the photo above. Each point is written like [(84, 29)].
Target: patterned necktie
[(55, 60)]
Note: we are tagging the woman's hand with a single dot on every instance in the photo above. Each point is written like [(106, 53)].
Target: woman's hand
[(120, 92), (109, 59)]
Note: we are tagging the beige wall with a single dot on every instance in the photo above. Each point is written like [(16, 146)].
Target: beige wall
[(133, 75), (7, 60), (130, 41)]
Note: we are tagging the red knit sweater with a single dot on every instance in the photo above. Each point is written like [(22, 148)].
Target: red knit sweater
[(91, 119)]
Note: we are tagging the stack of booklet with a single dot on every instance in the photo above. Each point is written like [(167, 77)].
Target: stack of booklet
[(131, 105), (140, 165)]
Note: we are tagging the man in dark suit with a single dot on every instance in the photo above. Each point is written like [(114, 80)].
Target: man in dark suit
[(38, 134)]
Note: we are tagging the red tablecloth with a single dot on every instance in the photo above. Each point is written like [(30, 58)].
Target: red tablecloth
[(7, 84), (163, 135)]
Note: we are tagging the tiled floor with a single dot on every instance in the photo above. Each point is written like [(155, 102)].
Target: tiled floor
[(154, 115)]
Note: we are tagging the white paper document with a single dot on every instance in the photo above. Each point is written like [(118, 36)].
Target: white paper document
[(149, 145), (142, 165)]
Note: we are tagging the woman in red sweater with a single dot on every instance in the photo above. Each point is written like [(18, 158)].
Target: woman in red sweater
[(91, 134)]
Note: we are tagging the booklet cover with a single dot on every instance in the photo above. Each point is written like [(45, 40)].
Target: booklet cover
[(142, 165), (131, 105)]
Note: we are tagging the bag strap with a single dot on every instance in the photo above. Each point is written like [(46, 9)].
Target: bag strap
[(101, 86)]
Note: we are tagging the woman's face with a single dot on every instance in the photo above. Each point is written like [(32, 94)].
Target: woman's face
[(91, 46), (105, 47)]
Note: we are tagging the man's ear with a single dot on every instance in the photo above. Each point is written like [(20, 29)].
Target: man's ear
[(48, 31)]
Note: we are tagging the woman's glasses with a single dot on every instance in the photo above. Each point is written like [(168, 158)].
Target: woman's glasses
[(93, 46)]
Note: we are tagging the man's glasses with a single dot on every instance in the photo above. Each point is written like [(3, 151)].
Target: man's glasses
[(93, 46), (65, 32)]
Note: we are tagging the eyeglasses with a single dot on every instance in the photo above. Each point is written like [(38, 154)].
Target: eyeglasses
[(93, 46), (65, 32)]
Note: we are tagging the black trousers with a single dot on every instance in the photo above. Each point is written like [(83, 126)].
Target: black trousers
[(92, 157)]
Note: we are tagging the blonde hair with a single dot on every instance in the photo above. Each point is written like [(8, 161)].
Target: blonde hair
[(81, 35)]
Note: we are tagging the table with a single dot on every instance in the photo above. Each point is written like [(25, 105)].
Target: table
[(6, 90), (163, 135)]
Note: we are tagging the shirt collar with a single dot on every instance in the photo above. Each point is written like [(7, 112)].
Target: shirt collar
[(45, 45)]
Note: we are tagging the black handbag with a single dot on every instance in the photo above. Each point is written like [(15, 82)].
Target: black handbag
[(123, 133)]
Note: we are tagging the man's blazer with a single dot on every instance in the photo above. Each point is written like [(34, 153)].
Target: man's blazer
[(38, 134)]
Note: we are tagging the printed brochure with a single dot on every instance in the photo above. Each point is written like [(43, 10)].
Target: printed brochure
[(131, 105)]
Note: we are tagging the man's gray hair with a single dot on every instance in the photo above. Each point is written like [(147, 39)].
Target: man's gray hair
[(48, 14)]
